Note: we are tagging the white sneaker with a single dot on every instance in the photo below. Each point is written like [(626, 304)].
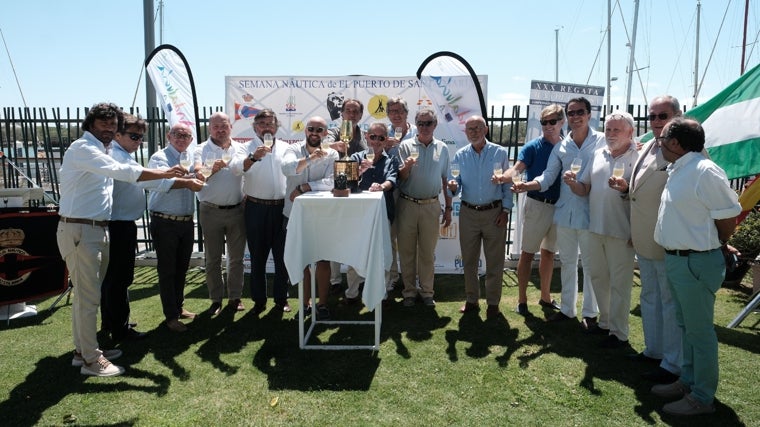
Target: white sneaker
[(112, 354), (101, 368)]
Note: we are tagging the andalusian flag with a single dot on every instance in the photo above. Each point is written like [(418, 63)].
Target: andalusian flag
[(731, 121)]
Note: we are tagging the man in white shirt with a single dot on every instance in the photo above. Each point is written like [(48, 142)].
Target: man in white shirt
[(86, 177), (221, 215), (264, 188)]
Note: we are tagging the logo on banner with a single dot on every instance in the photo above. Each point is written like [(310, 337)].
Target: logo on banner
[(12, 257), (376, 106), (449, 232)]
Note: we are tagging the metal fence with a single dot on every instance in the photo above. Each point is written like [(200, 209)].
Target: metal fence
[(33, 140)]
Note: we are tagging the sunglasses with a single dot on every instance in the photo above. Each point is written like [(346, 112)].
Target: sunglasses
[(135, 136), (425, 123), (661, 116), (377, 138), (576, 113), (317, 130), (550, 122)]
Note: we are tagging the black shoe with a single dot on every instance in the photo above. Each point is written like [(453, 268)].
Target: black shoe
[(522, 309), (351, 301), (613, 342), (641, 357), (558, 317), (130, 335), (259, 307), (216, 308), (550, 305), (660, 376), (588, 322), (595, 329), (323, 313), (336, 288)]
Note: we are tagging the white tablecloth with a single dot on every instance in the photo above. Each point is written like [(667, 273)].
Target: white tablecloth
[(351, 230)]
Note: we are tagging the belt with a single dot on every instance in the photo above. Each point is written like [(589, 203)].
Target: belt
[(686, 252), (92, 222), (487, 206), (267, 202), (419, 201), (541, 199), (183, 218), (211, 205)]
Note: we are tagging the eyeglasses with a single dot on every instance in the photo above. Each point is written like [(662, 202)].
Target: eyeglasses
[(473, 129), (396, 111), (661, 139), (550, 122), (315, 129), (425, 123), (180, 135), (661, 116), (377, 138), (135, 136), (574, 113)]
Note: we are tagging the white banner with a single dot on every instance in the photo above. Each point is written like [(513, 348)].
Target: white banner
[(170, 75), (296, 99)]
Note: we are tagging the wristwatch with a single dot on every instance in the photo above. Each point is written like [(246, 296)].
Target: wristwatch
[(252, 159)]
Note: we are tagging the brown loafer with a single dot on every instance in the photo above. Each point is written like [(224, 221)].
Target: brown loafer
[(469, 307), (187, 314)]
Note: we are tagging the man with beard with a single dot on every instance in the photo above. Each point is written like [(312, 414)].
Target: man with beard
[(86, 177), (309, 168), (609, 225)]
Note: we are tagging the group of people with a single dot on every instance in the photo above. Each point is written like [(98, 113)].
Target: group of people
[(665, 205), (597, 197)]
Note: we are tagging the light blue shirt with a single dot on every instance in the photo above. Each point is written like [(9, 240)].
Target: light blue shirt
[(475, 172), (425, 179), (86, 179), (319, 174), (177, 201), (571, 210), (129, 199)]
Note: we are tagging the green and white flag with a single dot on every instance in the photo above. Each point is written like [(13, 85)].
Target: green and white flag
[(731, 120)]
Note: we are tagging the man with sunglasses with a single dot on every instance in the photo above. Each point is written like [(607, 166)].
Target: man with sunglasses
[(264, 188), (662, 337), (87, 174), (539, 232), (571, 212), (128, 206), (378, 174), (309, 168), (423, 176), (483, 216)]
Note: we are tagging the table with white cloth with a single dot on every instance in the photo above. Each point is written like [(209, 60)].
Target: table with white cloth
[(350, 230)]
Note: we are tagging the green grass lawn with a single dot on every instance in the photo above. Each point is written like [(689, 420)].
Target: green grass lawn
[(435, 367)]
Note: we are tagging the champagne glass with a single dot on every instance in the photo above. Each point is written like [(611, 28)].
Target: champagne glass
[(618, 169), (184, 159), (455, 170), (517, 177), (413, 153), (205, 171), (575, 166), (398, 133), (326, 141), (497, 169), (268, 140), (346, 131), (210, 160), (371, 155), (227, 154)]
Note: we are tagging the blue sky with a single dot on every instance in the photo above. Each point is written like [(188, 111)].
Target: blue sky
[(77, 52)]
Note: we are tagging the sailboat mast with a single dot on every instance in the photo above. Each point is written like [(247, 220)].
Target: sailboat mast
[(633, 53), (696, 58), (744, 38), (609, 54)]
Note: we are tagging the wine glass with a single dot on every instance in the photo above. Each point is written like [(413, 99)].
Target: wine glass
[(618, 169), (210, 160), (517, 177), (398, 133), (455, 170), (497, 169), (184, 159), (413, 153), (326, 141), (371, 155), (205, 171), (227, 154), (268, 140), (346, 131), (575, 166)]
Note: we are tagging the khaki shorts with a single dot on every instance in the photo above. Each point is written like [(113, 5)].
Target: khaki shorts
[(539, 230)]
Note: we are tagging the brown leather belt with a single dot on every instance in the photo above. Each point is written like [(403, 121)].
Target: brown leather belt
[(267, 202), (211, 205), (488, 206), (92, 222), (419, 201), (172, 217)]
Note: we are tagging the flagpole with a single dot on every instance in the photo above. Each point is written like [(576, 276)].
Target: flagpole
[(150, 44)]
